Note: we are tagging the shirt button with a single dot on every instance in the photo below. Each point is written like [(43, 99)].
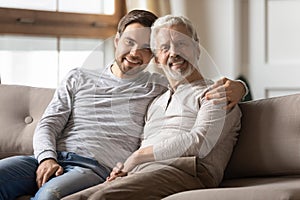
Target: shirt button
[(28, 119)]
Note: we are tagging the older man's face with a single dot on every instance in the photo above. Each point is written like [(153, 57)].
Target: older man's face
[(176, 51)]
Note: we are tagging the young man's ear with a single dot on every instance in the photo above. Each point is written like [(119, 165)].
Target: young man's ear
[(116, 40)]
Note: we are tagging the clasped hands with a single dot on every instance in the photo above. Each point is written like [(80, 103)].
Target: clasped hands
[(140, 156), (117, 171)]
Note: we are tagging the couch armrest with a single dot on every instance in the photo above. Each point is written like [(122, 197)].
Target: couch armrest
[(269, 139), (21, 108)]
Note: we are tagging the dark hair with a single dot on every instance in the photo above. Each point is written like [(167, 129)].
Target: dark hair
[(143, 17)]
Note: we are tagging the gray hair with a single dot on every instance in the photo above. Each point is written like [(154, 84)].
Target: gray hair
[(168, 21)]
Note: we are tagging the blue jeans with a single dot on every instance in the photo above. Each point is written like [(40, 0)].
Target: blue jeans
[(18, 177)]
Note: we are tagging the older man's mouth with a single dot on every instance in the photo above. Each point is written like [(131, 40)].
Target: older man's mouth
[(177, 65)]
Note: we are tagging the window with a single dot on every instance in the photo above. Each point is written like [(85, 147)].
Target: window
[(44, 61), (62, 18), (28, 60), (40, 41), (81, 6)]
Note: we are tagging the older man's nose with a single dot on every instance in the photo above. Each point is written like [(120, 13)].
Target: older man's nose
[(174, 52), (174, 49)]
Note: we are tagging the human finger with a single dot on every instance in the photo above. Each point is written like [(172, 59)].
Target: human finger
[(219, 83), (59, 171), (220, 101), (229, 106), (39, 178), (121, 174), (215, 94)]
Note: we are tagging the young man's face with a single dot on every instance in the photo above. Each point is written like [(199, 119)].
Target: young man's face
[(176, 52), (133, 51)]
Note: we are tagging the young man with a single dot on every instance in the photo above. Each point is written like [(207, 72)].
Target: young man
[(93, 121), (187, 139)]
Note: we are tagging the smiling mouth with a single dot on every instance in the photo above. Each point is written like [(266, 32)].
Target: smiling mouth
[(176, 65), (133, 61)]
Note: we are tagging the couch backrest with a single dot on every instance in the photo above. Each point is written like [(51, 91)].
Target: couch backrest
[(269, 141), (21, 107)]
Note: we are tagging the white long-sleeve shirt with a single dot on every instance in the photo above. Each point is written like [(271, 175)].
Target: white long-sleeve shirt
[(183, 123), (97, 115)]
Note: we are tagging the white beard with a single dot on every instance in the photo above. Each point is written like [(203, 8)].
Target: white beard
[(178, 75)]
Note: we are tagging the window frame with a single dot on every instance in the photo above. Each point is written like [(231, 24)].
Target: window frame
[(60, 24)]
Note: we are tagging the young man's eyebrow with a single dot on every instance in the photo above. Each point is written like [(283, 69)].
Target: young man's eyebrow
[(129, 38)]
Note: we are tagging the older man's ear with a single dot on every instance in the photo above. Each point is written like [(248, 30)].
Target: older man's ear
[(157, 61), (198, 51)]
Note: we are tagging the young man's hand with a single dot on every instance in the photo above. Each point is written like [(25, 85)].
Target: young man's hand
[(226, 90), (46, 169)]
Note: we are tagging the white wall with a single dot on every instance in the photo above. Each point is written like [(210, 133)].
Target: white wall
[(217, 26), (256, 38), (274, 47)]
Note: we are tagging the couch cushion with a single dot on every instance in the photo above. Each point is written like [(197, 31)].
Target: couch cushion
[(21, 108), (269, 141), (247, 189)]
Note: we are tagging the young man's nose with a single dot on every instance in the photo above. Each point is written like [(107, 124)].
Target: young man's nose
[(134, 51)]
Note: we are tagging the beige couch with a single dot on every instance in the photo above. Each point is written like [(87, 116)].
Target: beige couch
[(265, 164)]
